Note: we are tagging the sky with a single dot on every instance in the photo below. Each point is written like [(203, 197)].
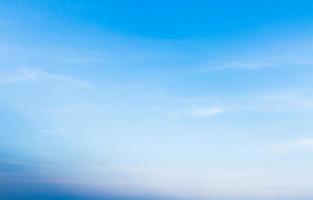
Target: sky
[(160, 99)]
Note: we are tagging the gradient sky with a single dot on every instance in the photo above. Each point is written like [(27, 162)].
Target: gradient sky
[(192, 99)]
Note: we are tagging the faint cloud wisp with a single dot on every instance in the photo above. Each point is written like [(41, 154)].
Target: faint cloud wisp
[(24, 75)]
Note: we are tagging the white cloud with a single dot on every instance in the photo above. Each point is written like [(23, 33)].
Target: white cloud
[(206, 112), (59, 131), (23, 75), (306, 142), (19, 76), (255, 64), (294, 53), (200, 112), (300, 145), (291, 100), (238, 64)]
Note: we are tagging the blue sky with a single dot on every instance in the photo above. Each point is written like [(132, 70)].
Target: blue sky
[(172, 99)]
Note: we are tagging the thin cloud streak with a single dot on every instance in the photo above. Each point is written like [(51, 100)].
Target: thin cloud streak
[(265, 57), (290, 100), (254, 64), (33, 75), (307, 142), (298, 145), (198, 112), (206, 112)]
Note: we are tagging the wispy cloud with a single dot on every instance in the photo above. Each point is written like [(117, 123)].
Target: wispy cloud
[(291, 100), (238, 64), (20, 76), (206, 112), (57, 131), (305, 142), (287, 100), (298, 145), (24, 75), (200, 112), (255, 64), (296, 53)]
